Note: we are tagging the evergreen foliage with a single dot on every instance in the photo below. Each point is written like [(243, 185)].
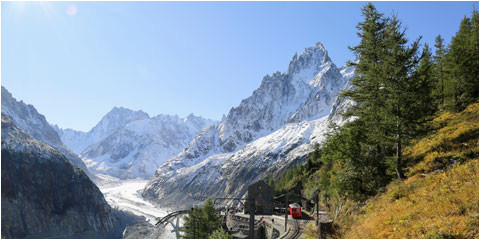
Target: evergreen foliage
[(439, 70), (297, 175), (392, 89), (351, 167), (201, 222), (461, 65), (220, 234)]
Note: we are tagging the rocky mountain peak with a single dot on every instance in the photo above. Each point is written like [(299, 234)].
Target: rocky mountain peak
[(306, 90), (138, 147), (312, 57), (119, 116), (263, 134)]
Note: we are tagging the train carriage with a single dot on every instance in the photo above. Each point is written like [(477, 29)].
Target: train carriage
[(295, 210)]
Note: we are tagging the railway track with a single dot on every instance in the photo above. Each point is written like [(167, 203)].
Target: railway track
[(299, 225), (296, 230)]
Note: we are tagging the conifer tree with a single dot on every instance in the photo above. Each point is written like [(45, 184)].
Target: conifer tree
[(365, 138), (462, 64), (368, 92), (220, 234), (271, 181), (389, 89), (212, 220), (201, 222), (401, 88), (439, 68)]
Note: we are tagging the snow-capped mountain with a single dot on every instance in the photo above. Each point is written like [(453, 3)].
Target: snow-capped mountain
[(117, 118), (263, 134), (43, 195), (130, 144), (35, 125)]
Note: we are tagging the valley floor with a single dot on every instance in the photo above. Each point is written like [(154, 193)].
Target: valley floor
[(124, 194)]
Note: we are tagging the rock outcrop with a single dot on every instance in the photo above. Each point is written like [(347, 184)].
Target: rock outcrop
[(43, 195)]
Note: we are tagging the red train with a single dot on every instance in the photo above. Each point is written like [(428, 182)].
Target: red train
[(295, 210)]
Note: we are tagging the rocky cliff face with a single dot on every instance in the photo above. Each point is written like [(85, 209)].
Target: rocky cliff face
[(268, 131), (35, 125), (43, 195)]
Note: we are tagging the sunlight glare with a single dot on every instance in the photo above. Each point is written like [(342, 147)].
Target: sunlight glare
[(71, 10)]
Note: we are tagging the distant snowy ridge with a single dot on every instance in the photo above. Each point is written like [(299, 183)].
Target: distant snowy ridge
[(117, 118), (130, 144), (267, 132)]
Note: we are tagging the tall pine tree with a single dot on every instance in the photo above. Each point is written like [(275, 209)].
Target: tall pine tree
[(408, 84), (390, 88), (368, 92), (439, 68)]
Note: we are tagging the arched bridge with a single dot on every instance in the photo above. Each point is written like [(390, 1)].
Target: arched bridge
[(164, 220)]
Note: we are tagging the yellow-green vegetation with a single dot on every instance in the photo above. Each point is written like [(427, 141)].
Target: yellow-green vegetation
[(455, 140), (310, 231), (440, 197)]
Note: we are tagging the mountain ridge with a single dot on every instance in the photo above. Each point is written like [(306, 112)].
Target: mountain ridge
[(110, 122), (130, 144), (27, 118), (265, 133)]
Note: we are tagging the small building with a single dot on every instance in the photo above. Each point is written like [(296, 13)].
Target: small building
[(263, 195)]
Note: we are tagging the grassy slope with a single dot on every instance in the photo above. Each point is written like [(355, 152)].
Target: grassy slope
[(440, 197)]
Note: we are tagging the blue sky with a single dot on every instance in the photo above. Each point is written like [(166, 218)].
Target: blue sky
[(75, 61)]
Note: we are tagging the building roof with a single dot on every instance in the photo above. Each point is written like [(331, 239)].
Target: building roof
[(294, 205)]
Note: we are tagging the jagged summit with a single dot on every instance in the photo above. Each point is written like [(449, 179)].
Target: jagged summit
[(313, 56), (263, 134), (283, 97)]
